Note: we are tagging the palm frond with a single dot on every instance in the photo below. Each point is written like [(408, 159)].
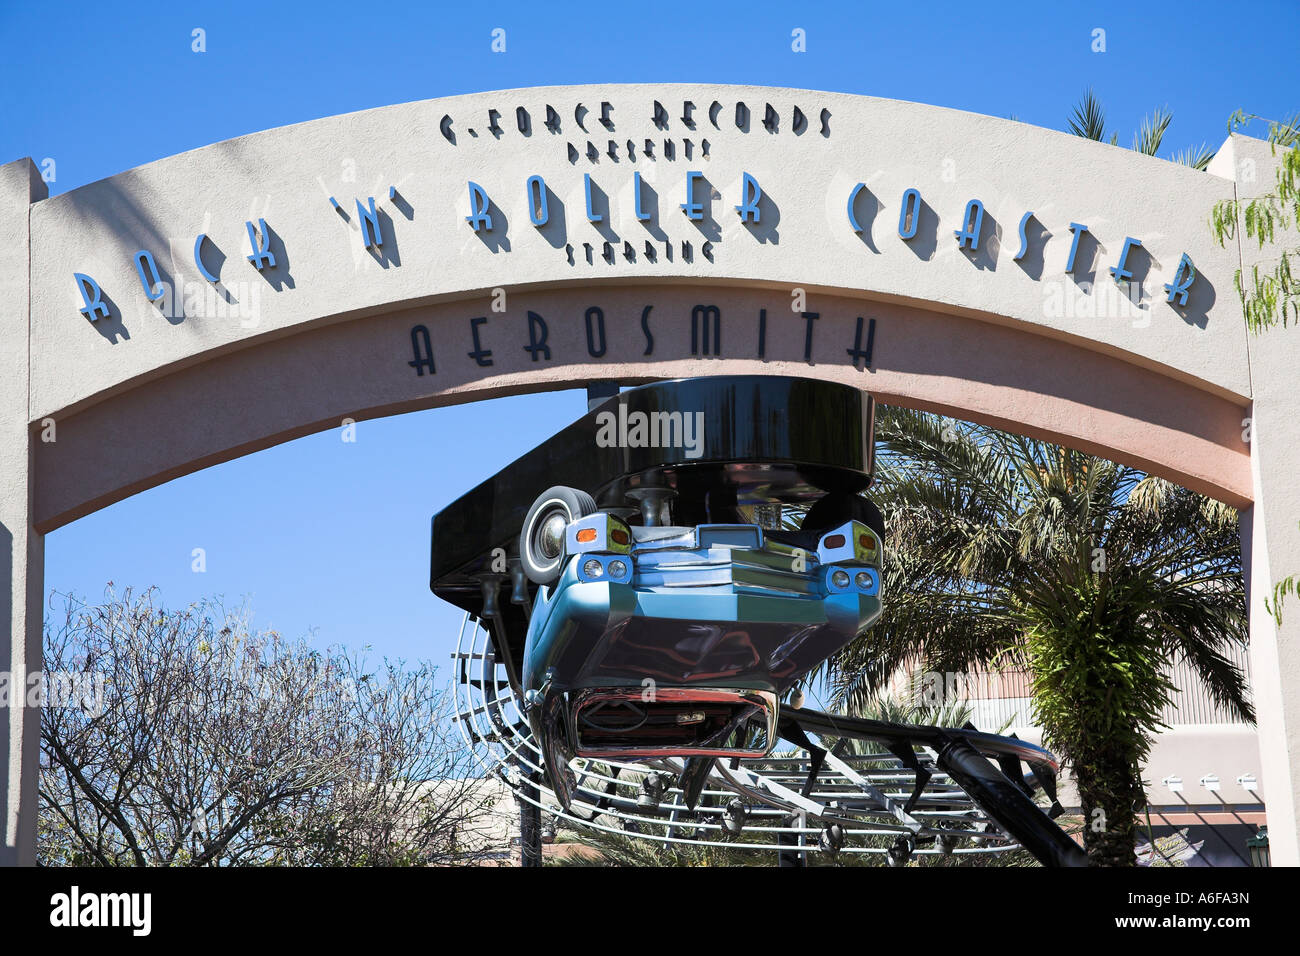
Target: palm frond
[(1197, 157), (1089, 119), (1151, 134)]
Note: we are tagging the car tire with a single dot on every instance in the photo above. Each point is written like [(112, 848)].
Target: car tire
[(541, 540), (833, 509)]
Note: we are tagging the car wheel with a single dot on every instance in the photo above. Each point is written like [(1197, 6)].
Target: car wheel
[(541, 541), (833, 509)]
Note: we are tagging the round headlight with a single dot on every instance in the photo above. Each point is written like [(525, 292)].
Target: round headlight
[(593, 568), (617, 569), (863, 580), (840, 578)]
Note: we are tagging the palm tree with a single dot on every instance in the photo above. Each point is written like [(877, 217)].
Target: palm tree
[(1088, 120), (1092, 576)]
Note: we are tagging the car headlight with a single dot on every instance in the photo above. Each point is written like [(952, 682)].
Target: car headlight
[(617, 569), (862, 580), (840, 578), (593, 568)]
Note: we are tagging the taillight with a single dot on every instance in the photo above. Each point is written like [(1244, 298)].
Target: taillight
[(601, 568), (600, 532), (852, 542), (865, 581)]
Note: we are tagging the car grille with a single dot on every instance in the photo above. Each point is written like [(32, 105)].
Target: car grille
[(753, 571)]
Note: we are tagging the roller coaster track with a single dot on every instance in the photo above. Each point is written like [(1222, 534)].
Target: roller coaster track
[(848, 785)]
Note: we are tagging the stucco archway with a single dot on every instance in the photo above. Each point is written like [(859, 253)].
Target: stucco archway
[(457, 249)]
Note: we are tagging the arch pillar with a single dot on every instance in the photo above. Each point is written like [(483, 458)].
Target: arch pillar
[(22, 548), (1271, 527)]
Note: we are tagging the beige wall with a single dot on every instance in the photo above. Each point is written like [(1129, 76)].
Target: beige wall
[(1190, 752)]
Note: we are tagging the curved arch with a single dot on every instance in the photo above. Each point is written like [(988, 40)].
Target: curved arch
[(296, 384), (325, 237), (636, 204)]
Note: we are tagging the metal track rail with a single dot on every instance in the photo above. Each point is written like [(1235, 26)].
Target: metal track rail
[(855, 803)]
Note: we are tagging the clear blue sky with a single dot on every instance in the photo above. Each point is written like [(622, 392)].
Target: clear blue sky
[(332, 538)]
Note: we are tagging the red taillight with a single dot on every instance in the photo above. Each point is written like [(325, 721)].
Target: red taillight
[(834, 541), (618, 535), (586, 535)]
